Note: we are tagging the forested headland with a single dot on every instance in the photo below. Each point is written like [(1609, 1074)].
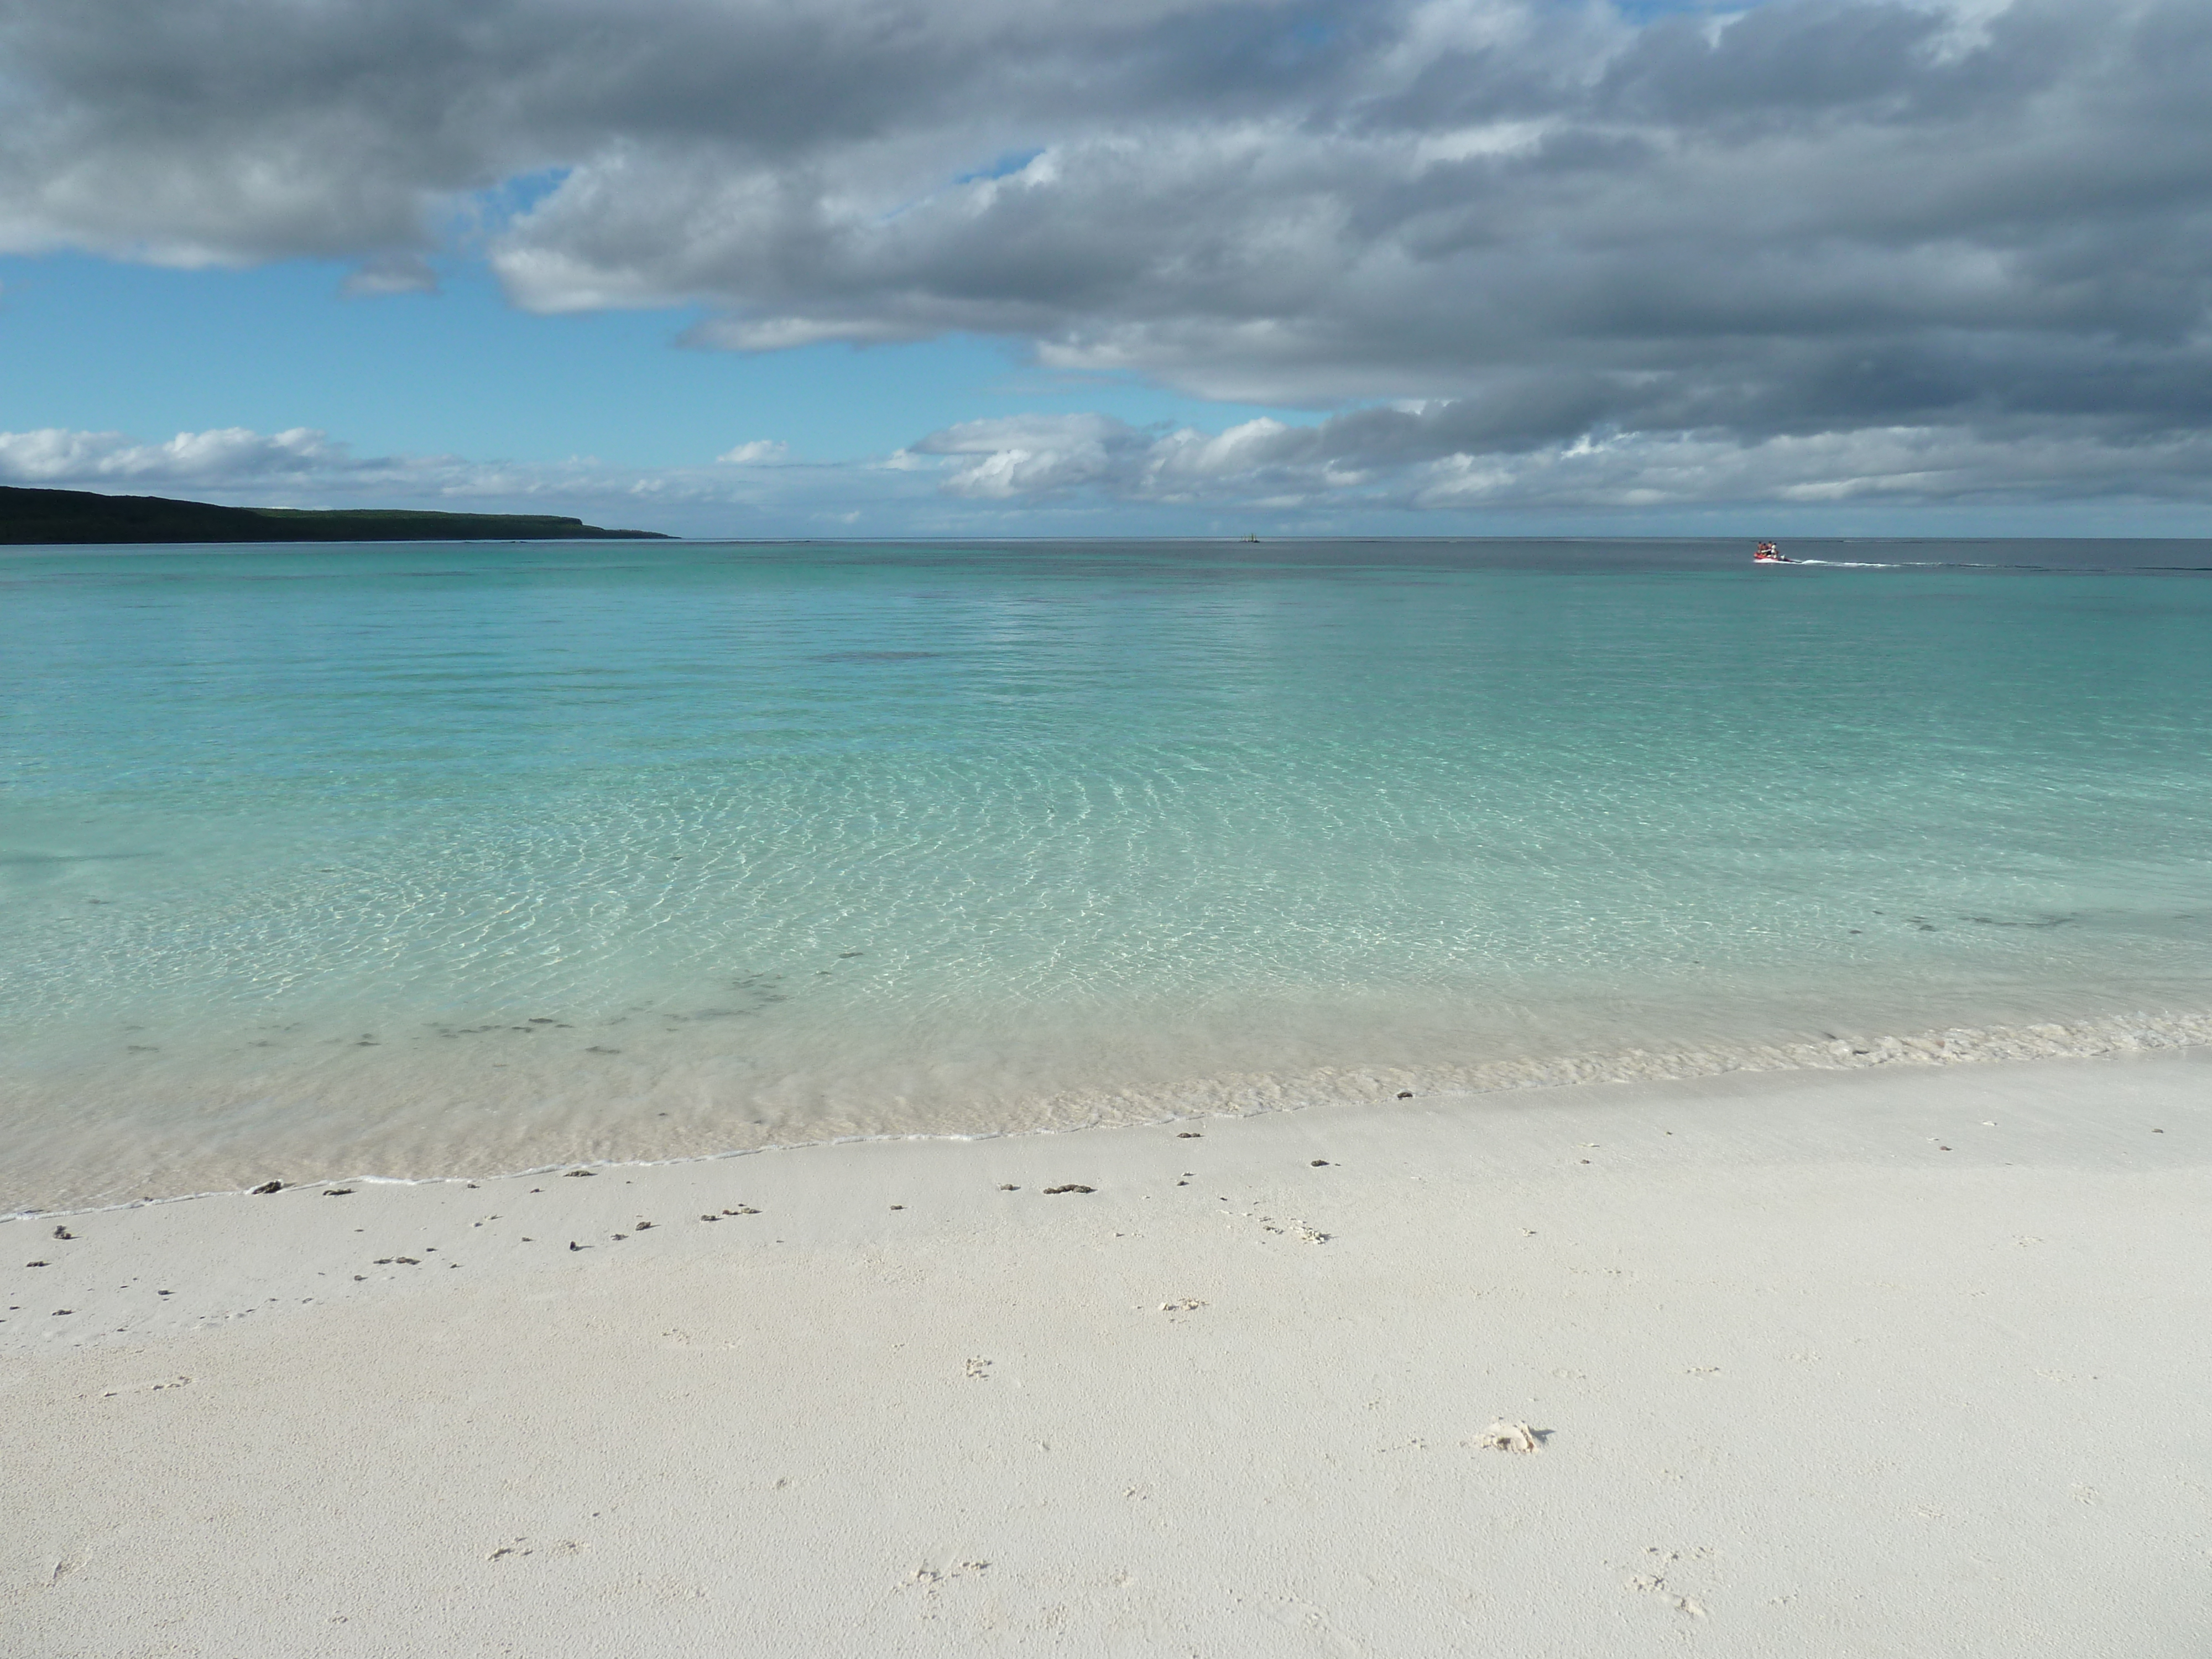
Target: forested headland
[(40, 516)]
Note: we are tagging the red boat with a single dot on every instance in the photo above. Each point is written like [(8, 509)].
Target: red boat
[(1769, 553)]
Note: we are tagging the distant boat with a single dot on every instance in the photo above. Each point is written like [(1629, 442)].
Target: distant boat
[(1769, 553)]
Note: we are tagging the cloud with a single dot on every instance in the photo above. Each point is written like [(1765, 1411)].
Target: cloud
[(751, 489), (1376, 469), (52, 457), (1570, 239), (1037, 455), (761, 451), (1445, 457)]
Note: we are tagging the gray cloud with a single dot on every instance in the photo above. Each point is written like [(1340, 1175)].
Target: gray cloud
[(1775, 239)]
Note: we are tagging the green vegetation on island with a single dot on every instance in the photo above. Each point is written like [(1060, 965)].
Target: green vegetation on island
[(43, 516)]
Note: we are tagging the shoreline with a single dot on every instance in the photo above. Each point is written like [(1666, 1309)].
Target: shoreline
[(1242, 1095), (1819, 1362)]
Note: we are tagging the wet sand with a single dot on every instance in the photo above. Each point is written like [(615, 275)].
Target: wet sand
[(1900, 1361)]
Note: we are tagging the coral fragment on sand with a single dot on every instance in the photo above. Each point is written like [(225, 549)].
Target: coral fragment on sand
[(1502, 1435)]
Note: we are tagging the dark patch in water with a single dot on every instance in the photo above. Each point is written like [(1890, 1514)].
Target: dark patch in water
[(875, 656)]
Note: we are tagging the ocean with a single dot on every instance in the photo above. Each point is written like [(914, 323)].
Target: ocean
[(421, 860)]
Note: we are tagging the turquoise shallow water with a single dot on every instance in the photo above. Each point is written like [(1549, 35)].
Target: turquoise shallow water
[(422, 859)]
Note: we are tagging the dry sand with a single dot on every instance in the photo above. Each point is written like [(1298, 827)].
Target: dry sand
[(1899, 1363)]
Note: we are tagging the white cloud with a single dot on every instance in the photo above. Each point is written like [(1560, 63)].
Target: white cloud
[(761, 451), (1416, 469), (1035, 455), (753, 489), (1421, 461), (55, 457)]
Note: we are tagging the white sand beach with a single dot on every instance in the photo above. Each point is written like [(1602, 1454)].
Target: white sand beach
[(1903, 1362)]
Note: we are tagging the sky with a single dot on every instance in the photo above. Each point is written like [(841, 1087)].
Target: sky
[(955, 268)]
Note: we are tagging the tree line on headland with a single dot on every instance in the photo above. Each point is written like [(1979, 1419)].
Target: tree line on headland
[(35, 517)]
